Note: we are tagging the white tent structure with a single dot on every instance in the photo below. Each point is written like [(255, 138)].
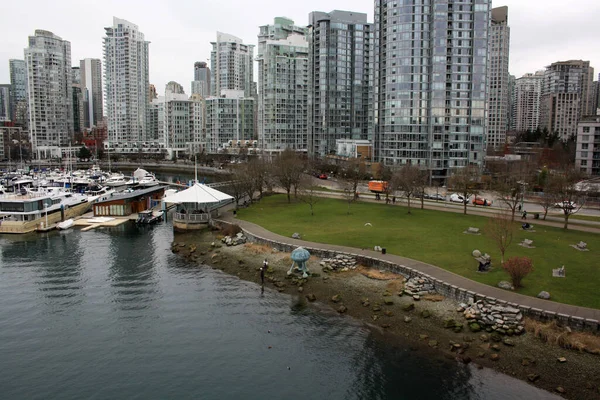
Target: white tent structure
[(197, 205), (198, 194)]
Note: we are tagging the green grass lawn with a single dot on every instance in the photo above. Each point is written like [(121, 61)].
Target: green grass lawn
[(580, 217), (436, 237)]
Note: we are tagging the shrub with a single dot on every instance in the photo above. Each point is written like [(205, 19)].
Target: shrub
[(230, 229), (518, 268)]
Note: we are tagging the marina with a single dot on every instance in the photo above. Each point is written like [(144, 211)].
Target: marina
[(43, 200)]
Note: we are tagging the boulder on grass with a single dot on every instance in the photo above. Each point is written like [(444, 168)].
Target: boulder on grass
[(506, 285), (544, 295)]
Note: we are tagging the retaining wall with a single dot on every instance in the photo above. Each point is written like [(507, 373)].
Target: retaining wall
[(444, 288)]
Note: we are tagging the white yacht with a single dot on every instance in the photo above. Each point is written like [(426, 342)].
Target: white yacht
[(23, 213), (99, 193), (115, 180), (145, 178)]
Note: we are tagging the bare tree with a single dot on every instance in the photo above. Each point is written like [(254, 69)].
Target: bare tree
[(349, 193), (511, 185), (549, 184), (257, 172), (568, 192), (239, 185), (353, 172), (287, 170), (501, 228), (465, 180), (308, 194), (411, 180)]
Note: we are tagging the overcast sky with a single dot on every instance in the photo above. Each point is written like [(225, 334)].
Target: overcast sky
[(180, 32)]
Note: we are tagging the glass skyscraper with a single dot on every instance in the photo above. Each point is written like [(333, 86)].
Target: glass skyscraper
[(18, 92), (341, 50), (126, 82), (498, 78), (283, 86), (201, 82), (430, 82)]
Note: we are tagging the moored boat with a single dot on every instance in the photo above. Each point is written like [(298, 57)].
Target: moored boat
[(66, 224), (23, 213)]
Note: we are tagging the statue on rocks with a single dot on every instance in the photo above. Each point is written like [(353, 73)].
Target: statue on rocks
[(299, 257)]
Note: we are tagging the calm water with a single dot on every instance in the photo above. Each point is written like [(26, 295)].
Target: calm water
[(113, 314)]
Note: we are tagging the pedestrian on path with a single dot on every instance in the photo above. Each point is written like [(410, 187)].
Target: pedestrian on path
[(524, 215), (262, 271)]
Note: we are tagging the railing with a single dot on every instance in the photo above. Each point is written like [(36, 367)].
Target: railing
[(194, 218)]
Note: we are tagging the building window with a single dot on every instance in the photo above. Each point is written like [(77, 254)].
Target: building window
[(586, 129), (585, 138)]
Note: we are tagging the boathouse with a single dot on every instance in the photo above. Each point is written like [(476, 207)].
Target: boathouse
[(124, 204)]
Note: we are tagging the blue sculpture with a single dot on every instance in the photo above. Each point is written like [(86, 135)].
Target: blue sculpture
[(299, 257)]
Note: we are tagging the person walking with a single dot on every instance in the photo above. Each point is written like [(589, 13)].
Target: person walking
[(262, 271), (524, 215)]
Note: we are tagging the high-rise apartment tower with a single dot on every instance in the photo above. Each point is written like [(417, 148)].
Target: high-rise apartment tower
[(126, 82), (498, 78), (431, 83), (232, 66), (18, 92), (91, 88), (341, 55), (50, 99), (283, 86)]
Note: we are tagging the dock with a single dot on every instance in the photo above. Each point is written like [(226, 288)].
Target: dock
[(88, 221)]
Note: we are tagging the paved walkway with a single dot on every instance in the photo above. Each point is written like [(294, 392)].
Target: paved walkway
[(437, 272)]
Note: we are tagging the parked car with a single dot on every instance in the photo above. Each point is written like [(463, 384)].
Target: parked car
[(568, 205), (457, 198), (480, 201), (435, 196), (322, 176)]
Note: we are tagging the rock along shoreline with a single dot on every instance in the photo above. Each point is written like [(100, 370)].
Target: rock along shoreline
[(407, 312)]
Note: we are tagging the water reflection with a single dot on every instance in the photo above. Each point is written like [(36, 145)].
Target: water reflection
[(132, 271)]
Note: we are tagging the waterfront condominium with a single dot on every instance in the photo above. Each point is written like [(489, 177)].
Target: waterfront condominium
[(498, 78), (430, 82), (229, 118), (526, 102), (91, 88), (50, 99), (231, 64), (18, 92), (566, 96), (283, 86), (126, 82), (201, 82), (341, 61)]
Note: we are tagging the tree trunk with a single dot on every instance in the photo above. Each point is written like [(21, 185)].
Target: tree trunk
[(423, 201), (408, 198), (288, 195), (465, 208), (545, 212), (566, 226), (514, 210)]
